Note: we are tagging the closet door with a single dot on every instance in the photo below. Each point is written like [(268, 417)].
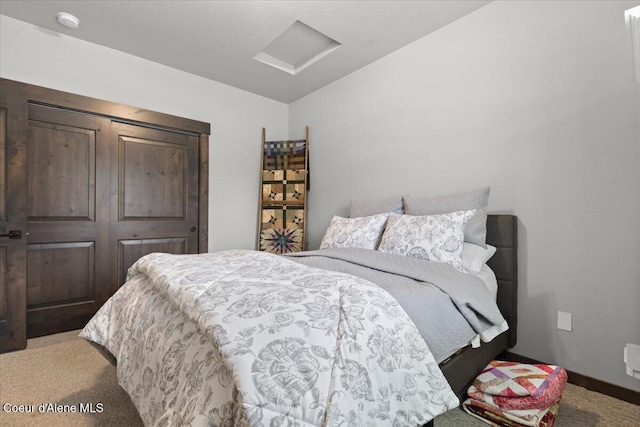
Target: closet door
[(68, 175), (86, 188), (13, 264), (155, 205)]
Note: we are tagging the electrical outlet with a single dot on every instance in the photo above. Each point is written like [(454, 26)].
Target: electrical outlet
[(632, 359), (564, 321)]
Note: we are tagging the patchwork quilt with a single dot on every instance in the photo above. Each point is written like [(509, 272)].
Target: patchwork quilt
[(514, 394), (516, 418), (511, 385)]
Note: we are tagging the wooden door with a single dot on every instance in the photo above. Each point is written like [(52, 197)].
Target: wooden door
[(68, 197), (92, 186), (155, 205), (13, 264)]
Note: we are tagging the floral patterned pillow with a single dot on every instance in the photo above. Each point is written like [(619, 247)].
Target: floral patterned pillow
[(362, 232), (432, 237)]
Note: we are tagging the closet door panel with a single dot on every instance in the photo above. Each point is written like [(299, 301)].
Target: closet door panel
[(68, 218), (3, 283), (155, 207), (3, 169), (13, 217), (3, 213), (153, 179), (60, 273), (61, 165)]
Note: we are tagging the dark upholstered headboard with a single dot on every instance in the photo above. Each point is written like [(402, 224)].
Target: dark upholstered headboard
[(502, 232)]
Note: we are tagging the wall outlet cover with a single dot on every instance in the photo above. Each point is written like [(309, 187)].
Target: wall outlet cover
[(632, 359), (564, 321)]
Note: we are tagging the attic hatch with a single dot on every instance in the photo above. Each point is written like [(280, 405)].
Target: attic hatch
[(298, 47)]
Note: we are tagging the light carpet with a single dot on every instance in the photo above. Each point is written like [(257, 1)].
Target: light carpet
[(65, 370)]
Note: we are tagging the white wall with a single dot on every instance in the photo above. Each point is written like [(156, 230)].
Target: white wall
[(32, 55), (536, 100)]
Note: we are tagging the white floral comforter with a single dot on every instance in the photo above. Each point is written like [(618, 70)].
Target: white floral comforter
[(241, 338)]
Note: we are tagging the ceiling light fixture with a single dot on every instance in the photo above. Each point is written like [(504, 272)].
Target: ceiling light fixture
[(68, 20)]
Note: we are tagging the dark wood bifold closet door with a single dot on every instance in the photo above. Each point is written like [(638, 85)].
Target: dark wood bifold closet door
[(155, 207), (87, 187), (101, 194), (13, 261), (68, 178)]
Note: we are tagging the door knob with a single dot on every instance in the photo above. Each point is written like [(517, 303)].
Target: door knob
[(13, 234)]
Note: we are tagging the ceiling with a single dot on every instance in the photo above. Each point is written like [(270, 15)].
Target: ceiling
[(218, 40)]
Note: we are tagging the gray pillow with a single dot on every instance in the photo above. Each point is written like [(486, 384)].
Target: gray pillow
[(475, 230), (374, 207)]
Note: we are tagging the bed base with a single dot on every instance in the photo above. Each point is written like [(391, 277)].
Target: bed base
[(461, 369), (467, 363)]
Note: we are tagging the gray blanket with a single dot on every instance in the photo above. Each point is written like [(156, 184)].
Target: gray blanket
[(450, 308)]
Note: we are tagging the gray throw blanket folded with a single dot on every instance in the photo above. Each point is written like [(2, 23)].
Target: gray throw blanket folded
[(450, 308)]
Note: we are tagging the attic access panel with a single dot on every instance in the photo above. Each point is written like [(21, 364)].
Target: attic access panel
[(298, 47)]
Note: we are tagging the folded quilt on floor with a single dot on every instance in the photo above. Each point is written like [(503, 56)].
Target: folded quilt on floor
[(514, 418), (510, 394), (510, 385)]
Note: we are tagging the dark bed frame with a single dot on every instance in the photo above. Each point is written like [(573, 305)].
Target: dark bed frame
[(462, 368)]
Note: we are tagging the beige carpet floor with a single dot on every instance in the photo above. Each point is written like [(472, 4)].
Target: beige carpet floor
[(65, 370)]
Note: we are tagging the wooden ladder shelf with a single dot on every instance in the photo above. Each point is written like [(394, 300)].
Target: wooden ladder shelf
[(284, 183)]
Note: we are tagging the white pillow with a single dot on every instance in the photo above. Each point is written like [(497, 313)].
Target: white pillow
[(432, 237), (361, 232), (474, 257)]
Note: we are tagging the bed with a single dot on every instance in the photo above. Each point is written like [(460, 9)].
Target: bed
[(296, 345)]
